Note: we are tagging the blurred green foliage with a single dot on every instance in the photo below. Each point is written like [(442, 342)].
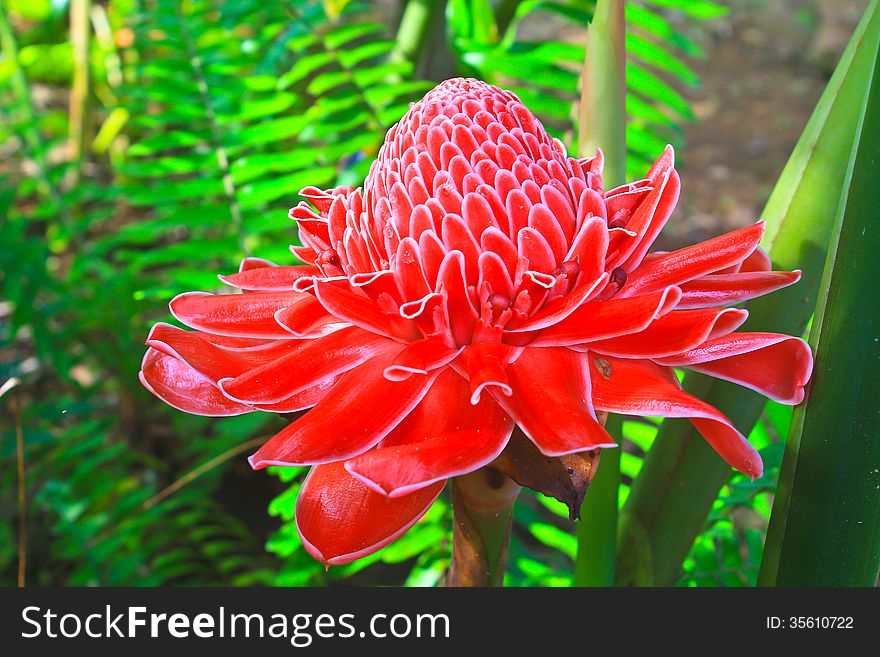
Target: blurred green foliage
[(207, 118)]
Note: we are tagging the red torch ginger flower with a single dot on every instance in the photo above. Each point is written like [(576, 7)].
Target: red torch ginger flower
[(481, 279)]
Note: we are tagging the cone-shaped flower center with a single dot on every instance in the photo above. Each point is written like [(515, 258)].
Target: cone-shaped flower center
[(472, 221)]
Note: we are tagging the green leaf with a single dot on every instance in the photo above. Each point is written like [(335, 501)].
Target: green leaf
[(696, 8), (825, 526), (654, 24), (166, 141), (258, 193), (252, 167), (681, 475), (650, 86), (267, 132), (346, 33), (473, 19), (659, 57), (263, 107), (555, 538)]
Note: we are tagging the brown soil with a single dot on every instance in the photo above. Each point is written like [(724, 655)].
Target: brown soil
[(768, 62)]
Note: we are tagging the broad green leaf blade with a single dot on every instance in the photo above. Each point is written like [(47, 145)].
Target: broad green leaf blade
[(682, 475), (603, 125), (825, 525)]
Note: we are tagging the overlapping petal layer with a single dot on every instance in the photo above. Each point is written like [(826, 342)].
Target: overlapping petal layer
[(642, 387), (444, 437), (340, 519), (480, 278)]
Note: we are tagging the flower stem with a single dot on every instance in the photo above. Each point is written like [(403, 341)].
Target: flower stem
[(413, 31), (80, 113), (603, 94), (603, 125), (596, 562), (482, 504)]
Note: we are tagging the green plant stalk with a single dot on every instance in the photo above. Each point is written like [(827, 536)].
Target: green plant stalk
[(681, 475), (602, 125), (825, 525), (602, 113), (596, 560), (505, 10), (413, 30), (80, 112)]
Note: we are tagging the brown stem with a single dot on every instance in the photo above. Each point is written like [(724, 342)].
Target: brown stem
[(22, 496), (482, 504), (197, 472)]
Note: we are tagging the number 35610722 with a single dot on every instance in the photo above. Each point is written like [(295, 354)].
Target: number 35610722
[(810, 623)]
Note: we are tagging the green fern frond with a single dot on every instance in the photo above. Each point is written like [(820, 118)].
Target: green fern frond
[(545, 73)]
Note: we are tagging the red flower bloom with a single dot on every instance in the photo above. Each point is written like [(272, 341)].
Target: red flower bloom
[(480, 279)]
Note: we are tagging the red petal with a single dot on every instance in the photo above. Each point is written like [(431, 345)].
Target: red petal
[(233, 343), (461, 313), (339, 519), (252, 262), (484, 365), (445, 436), (671, 187), (589, 246), (212, 361), (301, 400), (778, 366), (304, 253), (312, 362), (494, 241), (600, 320), (246, 315), (420, 357), (551, 401), (722, 289), (375, 284), (626, 197), (757, 260), (314, 232), (560, 309), (494, 274), (547, 225), (652, 214), (591, 204), (677, 331), (408, 269), (634, 387), (360, 410), (308, 320), (358, 309), (267, 279), (457, 236), (694, 261), (532, 246), (560, 207), (180, 386), (589, 252)]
